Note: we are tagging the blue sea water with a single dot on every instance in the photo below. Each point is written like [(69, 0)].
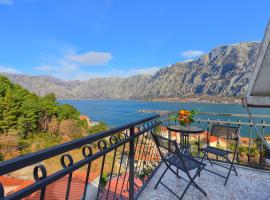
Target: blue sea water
[(119, 112)]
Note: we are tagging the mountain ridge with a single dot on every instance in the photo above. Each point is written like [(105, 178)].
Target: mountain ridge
[(224, 71)]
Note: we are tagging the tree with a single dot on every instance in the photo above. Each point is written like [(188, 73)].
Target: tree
[(48, 109), (66, 111), (28, 121), (4, 85), (53, 126), (71, 128), (102, 126), (35, 118), (11, 112)]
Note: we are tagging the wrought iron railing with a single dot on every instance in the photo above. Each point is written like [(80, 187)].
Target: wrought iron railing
[(118, 163), (115, 164), (252, 152)]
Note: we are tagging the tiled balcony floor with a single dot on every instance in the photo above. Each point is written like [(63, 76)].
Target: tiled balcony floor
[(249, 184)]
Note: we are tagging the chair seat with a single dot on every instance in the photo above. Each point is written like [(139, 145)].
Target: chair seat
[(216, 151), (190, 163)]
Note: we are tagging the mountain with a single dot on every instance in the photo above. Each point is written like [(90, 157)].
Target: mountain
[(224, 71)]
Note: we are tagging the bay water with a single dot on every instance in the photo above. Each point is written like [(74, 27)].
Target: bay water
[(120, 112)]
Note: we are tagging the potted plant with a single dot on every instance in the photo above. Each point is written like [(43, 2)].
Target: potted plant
[(184, 117)]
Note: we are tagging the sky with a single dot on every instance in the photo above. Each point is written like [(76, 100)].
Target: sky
[(81, 39)]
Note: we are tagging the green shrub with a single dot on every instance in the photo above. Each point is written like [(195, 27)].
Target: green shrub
[(102, 126)]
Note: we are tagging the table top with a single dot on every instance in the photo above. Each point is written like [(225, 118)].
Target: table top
[(185, 129)]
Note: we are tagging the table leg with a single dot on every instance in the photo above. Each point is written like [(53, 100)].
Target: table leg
[(186, 145), (199, 141), (182, 142), (170, 137)]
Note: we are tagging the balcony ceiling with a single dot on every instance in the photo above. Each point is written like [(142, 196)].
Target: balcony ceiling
[(259, 90)]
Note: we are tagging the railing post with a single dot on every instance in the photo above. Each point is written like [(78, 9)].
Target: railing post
[(249, 140), (131, 162), (261, 144), (227, 141), (237, 155), (199, 139), (217, 139), (208, 132), (2, 192)]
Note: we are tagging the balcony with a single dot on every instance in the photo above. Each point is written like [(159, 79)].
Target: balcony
[(123, 163), (249, 184)]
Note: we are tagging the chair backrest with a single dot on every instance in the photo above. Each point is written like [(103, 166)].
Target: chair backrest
[(225, 131), (165, 143)]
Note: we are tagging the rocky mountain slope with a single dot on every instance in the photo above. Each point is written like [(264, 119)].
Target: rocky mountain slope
[(224, 71)]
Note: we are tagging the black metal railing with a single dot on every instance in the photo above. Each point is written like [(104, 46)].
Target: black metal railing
[(251, 152), (118, 163), (115, 164)]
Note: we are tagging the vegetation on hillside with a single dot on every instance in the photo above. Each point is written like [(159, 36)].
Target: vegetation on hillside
[(102, 126), (29, 122)]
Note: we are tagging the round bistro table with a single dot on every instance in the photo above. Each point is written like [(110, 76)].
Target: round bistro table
[(184, 135)]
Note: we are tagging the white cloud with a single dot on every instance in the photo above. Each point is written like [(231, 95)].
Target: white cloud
[(192, 53), (6, 2), (91, 58), (9, 70), (71, 65)]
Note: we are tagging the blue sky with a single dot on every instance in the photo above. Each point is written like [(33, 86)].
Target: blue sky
[(79, 39)]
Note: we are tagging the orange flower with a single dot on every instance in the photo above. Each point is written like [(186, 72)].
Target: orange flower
[(182, 112)]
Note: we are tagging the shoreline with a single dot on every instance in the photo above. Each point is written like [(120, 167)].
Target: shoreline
[(201, 100)]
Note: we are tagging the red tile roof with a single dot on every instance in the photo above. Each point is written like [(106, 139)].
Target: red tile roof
[(244, 140), (57, 190), (121, 182), (212, 139), (84, 117), (13, 184), (54, 191)]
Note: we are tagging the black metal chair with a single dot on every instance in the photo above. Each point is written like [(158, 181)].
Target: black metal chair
[(229, 133), (172, 156)]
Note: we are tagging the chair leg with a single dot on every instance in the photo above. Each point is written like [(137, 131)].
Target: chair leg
[(198, 171), (236, 173), (192, 182), (231, 167), (206, 155), (195, 184), (232, 163), (161, 176), (228, 175), (182, 195), (175, 172), (203, 157)]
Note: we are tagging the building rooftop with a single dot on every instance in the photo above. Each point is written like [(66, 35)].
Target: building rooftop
[(56, 190)]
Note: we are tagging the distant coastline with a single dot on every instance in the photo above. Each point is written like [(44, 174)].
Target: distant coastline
[(201, 99), (188, 99)]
